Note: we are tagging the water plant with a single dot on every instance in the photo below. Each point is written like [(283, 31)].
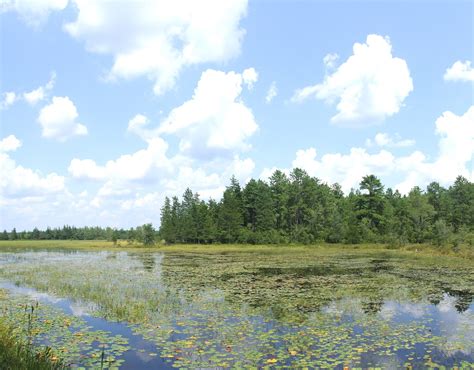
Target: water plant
[(312, 307)]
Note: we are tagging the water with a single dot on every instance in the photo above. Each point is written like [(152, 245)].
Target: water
[(216, 311), (136, 357)]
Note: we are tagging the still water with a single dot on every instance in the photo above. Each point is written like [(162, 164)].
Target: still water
[(312, 309)]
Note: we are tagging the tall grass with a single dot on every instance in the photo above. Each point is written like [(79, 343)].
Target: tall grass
[(19, 354)]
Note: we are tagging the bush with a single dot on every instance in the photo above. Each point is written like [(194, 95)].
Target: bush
[(441, 233)]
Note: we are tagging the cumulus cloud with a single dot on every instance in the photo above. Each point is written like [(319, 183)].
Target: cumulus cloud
[(58, 120), (456, 144), (158, 38), (215, 122), (34, 13), (346, 169), (8, 99), (383, 139), (137, 166), (250, 77), (215, 119), (368, 87), (460, 71), (138, 125), (454, 158), (271, 93), (34, 96), (330, 60), (20, 182), (31, 97), (212, 128), (9, 144)]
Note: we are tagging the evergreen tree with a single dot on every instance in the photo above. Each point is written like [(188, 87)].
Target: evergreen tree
[(461, 199), (188, 217), (35, 234), (421, 214), (13, 234), (148, 234), (167, 231), (279, 186), (231, 217), (371, 203)]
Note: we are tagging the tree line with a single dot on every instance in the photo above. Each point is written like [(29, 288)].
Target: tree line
[(145, 234), (298, 209), (302, 209)]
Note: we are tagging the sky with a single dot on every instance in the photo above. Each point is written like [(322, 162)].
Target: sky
[(107, 107)]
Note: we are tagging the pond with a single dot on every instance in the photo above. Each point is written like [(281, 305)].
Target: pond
[(314, 307)]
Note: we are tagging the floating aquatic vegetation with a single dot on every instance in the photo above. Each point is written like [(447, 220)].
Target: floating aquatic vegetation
[(69, 337), (314, 309)]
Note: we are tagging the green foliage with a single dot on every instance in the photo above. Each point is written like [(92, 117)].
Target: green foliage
[(4, 235), (215, 300), (231, 215), (16, 353), (441, 233), (148, 234), (301, 209)]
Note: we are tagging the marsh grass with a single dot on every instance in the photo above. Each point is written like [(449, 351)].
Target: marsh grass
[(40, 335), (408, 250), (18, 353)]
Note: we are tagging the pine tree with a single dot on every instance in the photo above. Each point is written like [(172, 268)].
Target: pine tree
[(231, 216), (167, 231), (13, 234)]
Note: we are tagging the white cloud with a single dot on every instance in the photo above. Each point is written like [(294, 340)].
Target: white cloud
[(8, 99), (32, 97), (267, 172), (215, 119), (58, 120), (385, 140), (34, 13), (460, 71), (40, 93), (158, 38), (20, 182), (242, 169), (330, 60), (250, 77), (137, 166), (138, 125), (368, 87), (271, 93), (455, 157), (9, 144), (86, 169), (346, 169), (456, 145), (212, 128)]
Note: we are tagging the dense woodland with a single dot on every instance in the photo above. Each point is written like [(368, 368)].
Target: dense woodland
[(143, 234), (300, 209)]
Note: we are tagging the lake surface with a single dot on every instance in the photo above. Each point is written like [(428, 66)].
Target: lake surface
[(314, 307)]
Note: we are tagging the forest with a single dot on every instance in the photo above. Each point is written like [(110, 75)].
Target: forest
[(299, 209)]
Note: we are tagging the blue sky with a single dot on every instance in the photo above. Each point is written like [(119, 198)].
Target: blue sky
[(107, 107)]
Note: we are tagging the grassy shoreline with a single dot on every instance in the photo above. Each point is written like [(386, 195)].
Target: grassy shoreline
[(15, 353), (415, 249)]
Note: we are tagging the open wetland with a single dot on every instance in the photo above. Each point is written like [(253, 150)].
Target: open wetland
[(215, 307)]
